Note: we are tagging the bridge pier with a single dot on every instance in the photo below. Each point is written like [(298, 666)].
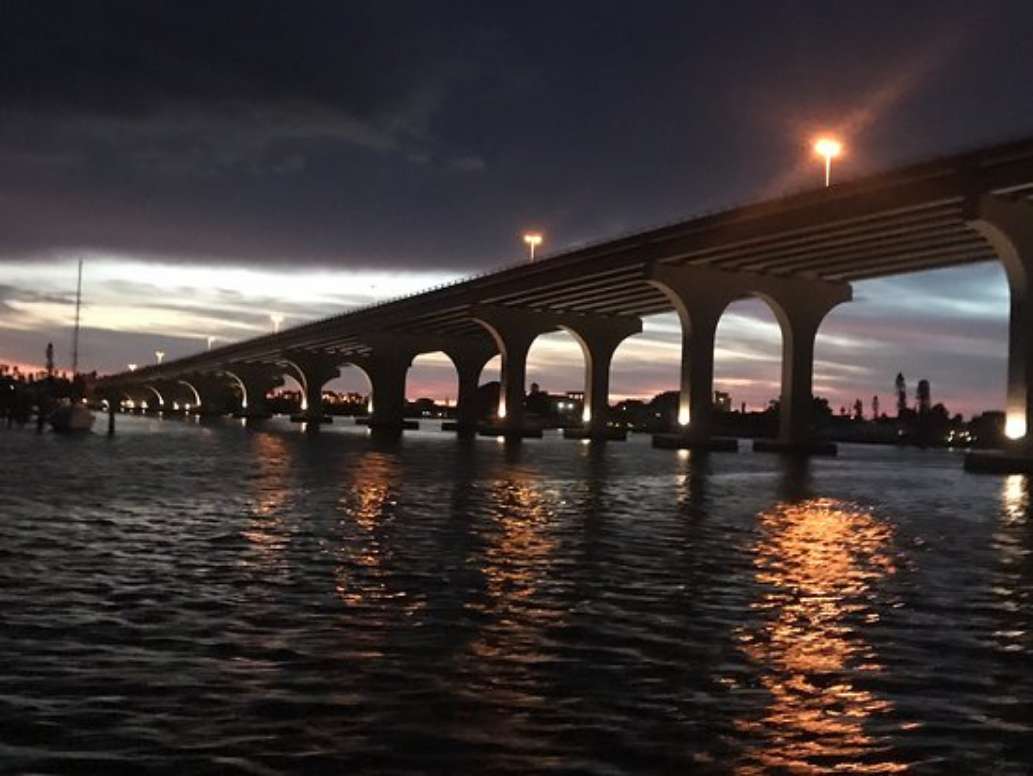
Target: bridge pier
[(386, 367), (255, 381), (514, 329), (210, 393), (700, 296), (1008, 226), (599, 337), (176, 396), (312, 370), (469, 359)]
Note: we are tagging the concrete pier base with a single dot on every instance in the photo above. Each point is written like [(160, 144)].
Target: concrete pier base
[(794, 448), (388, 425), (695, 442), (467, 429), (608, 434), (249, 415), (999, 462), (303, 418), (510, 432)]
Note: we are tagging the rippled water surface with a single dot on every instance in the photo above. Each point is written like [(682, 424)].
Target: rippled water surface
[(188, 598)]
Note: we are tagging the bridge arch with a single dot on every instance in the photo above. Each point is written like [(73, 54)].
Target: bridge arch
[(156, 392), (347, 376), (645, 367), (193, 390), (437, 373), (292, 370), (560, 360), (749, 350), (235, 379)]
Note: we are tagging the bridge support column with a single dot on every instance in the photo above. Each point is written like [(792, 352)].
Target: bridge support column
[(469, 361), (796, 404), (599, 337), (514, 330), (210, 393), (255, 381), (386, 368), (154, 397), (700, 296), (312, 371), (177, 396), (1008, 227)]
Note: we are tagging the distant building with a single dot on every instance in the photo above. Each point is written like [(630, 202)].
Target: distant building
[(924, 396), (722, 401)]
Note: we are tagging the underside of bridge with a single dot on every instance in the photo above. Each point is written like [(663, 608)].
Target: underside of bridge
[(799, 253)]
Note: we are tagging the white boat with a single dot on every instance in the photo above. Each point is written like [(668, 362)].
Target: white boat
[(72, 416)]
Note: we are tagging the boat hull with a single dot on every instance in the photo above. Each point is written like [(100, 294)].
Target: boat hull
[(71, 419)]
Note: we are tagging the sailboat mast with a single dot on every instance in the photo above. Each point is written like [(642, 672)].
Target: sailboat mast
[(75, 335)]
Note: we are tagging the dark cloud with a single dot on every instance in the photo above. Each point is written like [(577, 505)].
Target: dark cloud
[(9, 293), (423, 135), (401, 135)]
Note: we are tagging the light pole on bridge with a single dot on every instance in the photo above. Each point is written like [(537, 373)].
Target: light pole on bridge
[(828, 148), (533, 239)]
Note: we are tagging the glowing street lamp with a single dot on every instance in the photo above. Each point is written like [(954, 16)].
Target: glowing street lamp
[(1015, 425), (829, 148), (160, 355), (211, 341), (533, 239), (132, 367), (277, 319)]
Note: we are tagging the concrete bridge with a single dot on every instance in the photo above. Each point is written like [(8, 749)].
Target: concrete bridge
[(798, 253)]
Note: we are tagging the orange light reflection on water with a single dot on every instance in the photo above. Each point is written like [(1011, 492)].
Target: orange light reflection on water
[(818, 562), (1012, 542), (367, 503), (514, 564), (267, 530)]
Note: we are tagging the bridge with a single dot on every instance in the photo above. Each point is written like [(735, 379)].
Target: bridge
[(798, 253)]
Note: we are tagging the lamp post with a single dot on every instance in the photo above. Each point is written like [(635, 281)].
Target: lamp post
[(828, 148), (160, 355), (277, 319), (132, 367), (533, 239), (211, 341)]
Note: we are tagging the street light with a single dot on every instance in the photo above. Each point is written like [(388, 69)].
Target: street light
[(160, 355), (533, 239), (211, 341), (132, 367), (829, 148), (277, 319)]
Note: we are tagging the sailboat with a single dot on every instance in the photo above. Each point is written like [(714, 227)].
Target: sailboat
[(73, 416)]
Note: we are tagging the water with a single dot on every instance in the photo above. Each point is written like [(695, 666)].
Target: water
[(187, 598)]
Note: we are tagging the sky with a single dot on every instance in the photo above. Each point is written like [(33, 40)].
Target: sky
[(214, 164)]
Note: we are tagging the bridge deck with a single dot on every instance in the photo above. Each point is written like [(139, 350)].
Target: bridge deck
[(904, 220)]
